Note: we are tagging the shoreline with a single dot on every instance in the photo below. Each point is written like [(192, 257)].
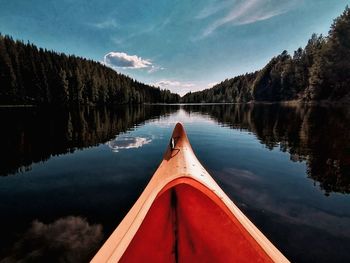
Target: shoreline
[(285, 103), (18, 106)]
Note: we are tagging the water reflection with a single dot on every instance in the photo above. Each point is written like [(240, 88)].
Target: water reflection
[(259, 154), (318, 135), (69, 239), (34, 135), (127, 142)]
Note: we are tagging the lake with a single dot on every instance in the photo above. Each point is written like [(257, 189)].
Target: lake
[(69, 177)]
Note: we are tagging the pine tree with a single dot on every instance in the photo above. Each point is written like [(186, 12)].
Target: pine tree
[(63, 88), (7, 75), (37, 76), (337, 56)]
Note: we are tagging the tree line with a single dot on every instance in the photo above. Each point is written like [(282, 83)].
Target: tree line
[(36, 76), (320, 71)]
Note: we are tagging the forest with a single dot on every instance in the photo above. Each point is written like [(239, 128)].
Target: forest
[(35, 76), (319, 72)]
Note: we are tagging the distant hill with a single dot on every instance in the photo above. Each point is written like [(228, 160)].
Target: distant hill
[(36, 76), (320, 71)]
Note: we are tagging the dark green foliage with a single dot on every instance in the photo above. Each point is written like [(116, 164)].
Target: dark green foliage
[(230, 90), (319, 72), (29, 75)]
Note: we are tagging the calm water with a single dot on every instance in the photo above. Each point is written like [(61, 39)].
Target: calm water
[(68, 178)]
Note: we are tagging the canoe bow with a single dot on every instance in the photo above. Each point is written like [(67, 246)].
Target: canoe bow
[(183, 215)]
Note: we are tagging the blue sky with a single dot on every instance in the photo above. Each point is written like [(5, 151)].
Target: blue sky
[(181, 45)]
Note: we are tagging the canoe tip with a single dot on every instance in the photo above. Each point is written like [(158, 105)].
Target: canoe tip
[(179, 128), (179, 125), (179, 131)]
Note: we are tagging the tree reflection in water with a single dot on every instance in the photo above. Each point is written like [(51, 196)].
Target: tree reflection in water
[(34, 135), (318, 135), (102, 186)]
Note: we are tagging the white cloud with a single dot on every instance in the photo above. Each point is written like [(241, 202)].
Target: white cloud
[(154, 68), (175, 86), (182, 88), (123, 60), (171, 83), (211, 84), (251, 11)]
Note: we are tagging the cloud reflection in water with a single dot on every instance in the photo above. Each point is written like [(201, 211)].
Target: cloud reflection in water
[(68, 239), (291, 208), (128, 142)]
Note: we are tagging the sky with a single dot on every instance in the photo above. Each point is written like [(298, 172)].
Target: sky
[(180, 45)]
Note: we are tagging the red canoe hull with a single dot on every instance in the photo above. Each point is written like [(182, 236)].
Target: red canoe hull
[(188, 223), (184, 216)]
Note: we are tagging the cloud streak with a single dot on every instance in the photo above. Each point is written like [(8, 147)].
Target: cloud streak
[(213, 9), (106, 24), (123, 60), (250, 11)]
